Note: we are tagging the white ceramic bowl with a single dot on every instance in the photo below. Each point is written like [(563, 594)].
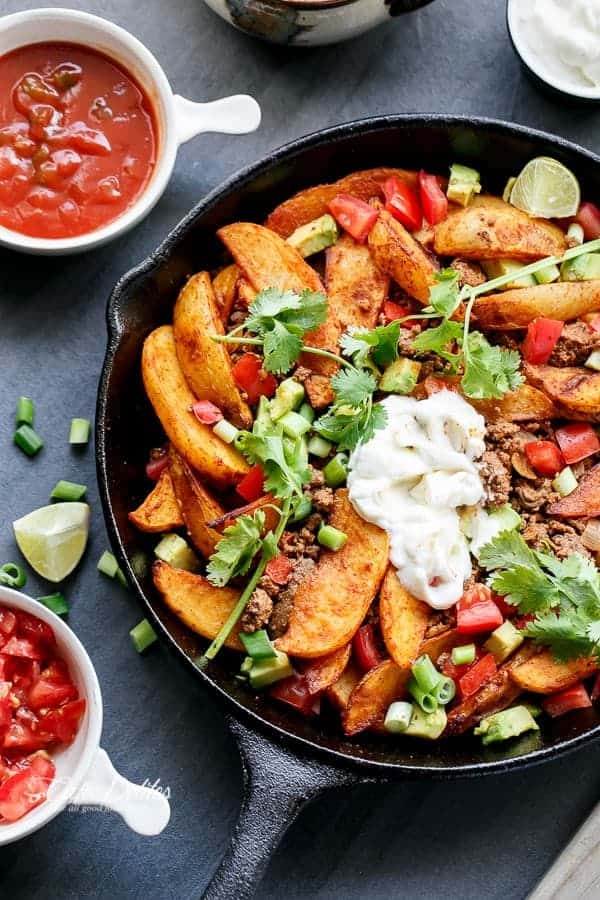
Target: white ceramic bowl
[(178, 119), (84, 774)]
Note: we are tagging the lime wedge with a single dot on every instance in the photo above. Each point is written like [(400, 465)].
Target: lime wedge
[(546, 188), (52, 539)]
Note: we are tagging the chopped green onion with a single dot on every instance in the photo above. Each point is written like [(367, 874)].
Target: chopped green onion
[(425, 699), (226, 431), (12, 575), (246, 665), (25, 411), (463, 655), (318, 446), (425, 673), (55, 602), (575, 232), (28, 440), (121, 577), (397, 718), (335, 472), (444, 690), (107, 564), (302, 509), (308, 412), (294, 425), (258, 645), (80, 431), (143, 635), (331, 538), (68, 490)]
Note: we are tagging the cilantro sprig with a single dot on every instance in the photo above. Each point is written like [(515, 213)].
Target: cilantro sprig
[(354, 417)]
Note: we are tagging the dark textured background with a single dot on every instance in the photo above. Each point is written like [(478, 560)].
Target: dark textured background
[(490, 837)]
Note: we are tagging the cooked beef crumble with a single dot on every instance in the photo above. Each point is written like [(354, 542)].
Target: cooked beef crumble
[(257, 612), (469, 272), (574, 345), (563, 538)]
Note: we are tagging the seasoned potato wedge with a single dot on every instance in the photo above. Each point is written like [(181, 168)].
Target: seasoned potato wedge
[(491, 229), (196, 503), (323, 673), (584, 501), (542, 674), (160, 510), (200, 605), (526, 404), (333, 600), (267, 501), (441, 643), (245, 292), (205, 364), (373, 694), (516, 309), (574, 391), (403, 620), (397, 253), (172, 400), (224, 287), (340, 691), (356, 287)]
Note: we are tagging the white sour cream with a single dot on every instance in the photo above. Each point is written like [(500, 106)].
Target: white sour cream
[(411, 478)]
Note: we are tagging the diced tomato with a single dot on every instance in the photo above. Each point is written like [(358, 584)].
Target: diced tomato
[(279, 569), (50, 694), (588, 216), (6, 707), (476, 611), (434, 385), (507, 609), (402, 203), (22, 647), (393, 311), (354, 215), (365, 649), (206, 412), (251, 378), (541, 339), (21, 736), (6, 667), (545, 457), (26, 789), (294, 691), (157, 464), (477, 675), (594, 324), (451, 670), (596, 689), (34, 629), (522, 622), (433, 199), (575, 697), (252, 485), (62, 724), (8, 622), (577, 441)]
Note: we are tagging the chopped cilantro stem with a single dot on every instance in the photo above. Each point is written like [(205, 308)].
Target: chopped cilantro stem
[(259, 342)]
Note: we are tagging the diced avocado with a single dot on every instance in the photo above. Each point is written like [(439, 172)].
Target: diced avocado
[(497, 268), (427, 725), (506, 724), (535, 710), (593, 361), (401, 376), (315, 236), (463, 185), (267, 671), (288, 396), (488, 524), (504, 641), (583, 268), (565, 482), (173, 550), (547, 274)]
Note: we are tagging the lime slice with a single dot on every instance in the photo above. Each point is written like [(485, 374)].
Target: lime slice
[(52, 539), (546, 188)]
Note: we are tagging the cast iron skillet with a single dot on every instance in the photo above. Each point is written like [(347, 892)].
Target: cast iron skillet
[(288, 759)]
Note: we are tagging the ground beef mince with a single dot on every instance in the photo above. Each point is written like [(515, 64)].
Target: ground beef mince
[(430, 362), (468, 272), (495, 472), (285, 600), (319, 495), (563, 538), (533, 496), (440, 622), (574, 345), (258, 611)]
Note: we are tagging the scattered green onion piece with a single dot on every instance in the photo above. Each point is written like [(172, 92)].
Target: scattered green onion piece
[(12, 575), (294, 425), (463, 655), (80, 431), (425, 699), (68, 490), (55, 602), (335, 472), (331, 538), (425, 673), (28, 440), (318, 446), (120, 576), (397, 718), (142, 636), (302, 509), (444, 690), (575, 232), (226, 431), (246, 665), (25, 411), (107, 564), (308, 412), (258, 645)]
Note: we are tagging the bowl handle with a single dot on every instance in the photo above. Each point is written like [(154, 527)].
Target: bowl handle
[(144, 809), (239, 114)]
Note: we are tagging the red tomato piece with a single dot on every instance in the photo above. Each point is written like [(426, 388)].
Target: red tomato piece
[(294, 691), (8, 622), (596, 689), (252, 485), (6, 707), (393, 311), (433, 199), (434, 385), (48, 694), (507, 609), (365, 649), (206, 412), (477, 675), (577, 441), (476, 611), (62, 724), (453, 671), (279, 569), (34, 629), (545, 457), (251, 378), (21, 736), (575, 697), (354, 215), (522, 622), (588, 217), (6, 667), (22, 647), (25, 790), (402, 203), (541, 339), (158, 462)]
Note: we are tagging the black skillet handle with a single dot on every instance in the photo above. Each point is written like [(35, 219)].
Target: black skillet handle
[(277, 785)]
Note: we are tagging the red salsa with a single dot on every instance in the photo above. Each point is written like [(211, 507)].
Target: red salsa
[(40, 710), (77, 140)]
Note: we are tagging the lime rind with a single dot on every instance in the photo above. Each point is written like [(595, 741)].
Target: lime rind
[(546, 188), (53, 538)]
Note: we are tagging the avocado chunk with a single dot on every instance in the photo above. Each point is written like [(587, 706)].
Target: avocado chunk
[(504, 641), (463, 185), (401, 376), (583, 268), (267, 671), (175, 551), (427, 725), (488, 524), (498, 268), (507, 724), (288, 396), (315, 236)]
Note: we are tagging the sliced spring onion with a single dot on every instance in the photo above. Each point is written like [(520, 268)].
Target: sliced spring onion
[(226, 431), (331, 538), (425, 699), (28, 440), (565, 482), (56, 602), (463, 655), (80, 431), (107, 564), (302, 509), (425, 673), (294, 425), (12, 575), (25, 411), (68, 490), (575, 232), (308, 412), (258, 645), (444, 690), (143, 635), (318, 446), (121, 577), (397, 718), (335, 472)]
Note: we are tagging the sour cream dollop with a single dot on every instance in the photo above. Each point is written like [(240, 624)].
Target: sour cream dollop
[(411, 479)]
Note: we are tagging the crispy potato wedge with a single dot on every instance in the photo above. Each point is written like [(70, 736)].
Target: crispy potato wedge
[(491, 229), (526, 404), (339, 692), (333, 600), (160, 510), (196, 503), (575, 391), (584, 501), (356, 287), (199, 604), (224, 287), (245, 292), (228, 518), (323, 673), (562, 300), (397, 253), (205, 364), (172, 400), (441, 643), (312, 202), (542, 674), (403, 620), (373, 694)]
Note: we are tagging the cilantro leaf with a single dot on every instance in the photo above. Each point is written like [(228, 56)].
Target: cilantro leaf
[(282, 478), (268, 304), (353, 386), (281, 348), (282, 318), (489, 371), (566, 634), (237, 548), (505, 551), (379, 346), (348, 431), (529, 589), (437, 340), (444, 296)]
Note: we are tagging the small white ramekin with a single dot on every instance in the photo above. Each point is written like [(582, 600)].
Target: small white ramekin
[(84, 774), (177, 119)]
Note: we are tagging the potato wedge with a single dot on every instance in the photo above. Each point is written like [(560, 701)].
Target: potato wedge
[(323, 673), (373, 694), (205, 364), (196, 503), (441, 643), (356, 287), (403, 620), (526, 404), (245, 292), (333, 600), (397, 253), (267, 501), (583, 502), (542, 674), (339, 692), (491, 229), (574, 391), (160, 510), (172, 400), (516, 309), (200, 605), (224, 287)]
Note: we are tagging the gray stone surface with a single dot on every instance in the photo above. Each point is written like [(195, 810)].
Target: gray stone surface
[(466, 840)]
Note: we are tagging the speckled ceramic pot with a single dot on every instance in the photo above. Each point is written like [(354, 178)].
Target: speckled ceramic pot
[(308, 23)]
